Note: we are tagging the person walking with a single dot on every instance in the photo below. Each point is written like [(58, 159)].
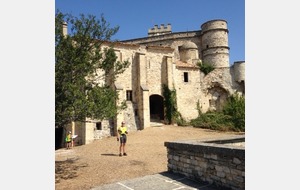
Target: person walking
[(122, 137), (68, 140)]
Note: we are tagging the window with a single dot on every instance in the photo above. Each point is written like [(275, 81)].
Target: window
[(99, 126), (186, 77), (129, 95), (135, 112)]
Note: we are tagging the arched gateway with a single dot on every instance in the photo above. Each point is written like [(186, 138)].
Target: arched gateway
[(156, 107)]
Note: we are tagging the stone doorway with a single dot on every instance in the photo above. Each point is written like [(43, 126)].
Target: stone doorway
[(156, 108)]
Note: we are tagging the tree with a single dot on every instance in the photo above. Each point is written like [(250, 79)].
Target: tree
[(79, 66)]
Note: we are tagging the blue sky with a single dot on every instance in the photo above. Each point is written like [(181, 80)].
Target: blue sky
[(135, 17)]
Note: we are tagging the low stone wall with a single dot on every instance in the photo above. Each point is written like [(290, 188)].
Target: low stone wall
[(217, 161)]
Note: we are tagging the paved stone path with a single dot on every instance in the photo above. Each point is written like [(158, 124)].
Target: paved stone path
[(161, 181)]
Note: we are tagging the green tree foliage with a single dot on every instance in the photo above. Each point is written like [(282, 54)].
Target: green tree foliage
[(205, 68), (235, 107), (78, 60)]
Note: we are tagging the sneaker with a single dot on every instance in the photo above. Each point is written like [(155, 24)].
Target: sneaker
[(125, 154), (120, 154)]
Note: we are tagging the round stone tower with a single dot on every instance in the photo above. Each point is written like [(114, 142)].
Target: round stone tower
[(188, 52), (215, 50), (239, 71)]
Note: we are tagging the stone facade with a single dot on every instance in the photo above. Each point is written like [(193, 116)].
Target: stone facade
[(170, 58)]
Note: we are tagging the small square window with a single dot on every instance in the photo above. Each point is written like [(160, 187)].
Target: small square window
[(99, 126)]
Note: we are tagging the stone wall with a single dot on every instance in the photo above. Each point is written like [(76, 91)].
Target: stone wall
[(220, 81), (130, 117), (188, 93), (213, 162), (164, 37)]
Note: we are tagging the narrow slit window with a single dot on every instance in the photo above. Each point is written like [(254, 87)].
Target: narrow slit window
[(135, 112), (186, 77), (129, 95)]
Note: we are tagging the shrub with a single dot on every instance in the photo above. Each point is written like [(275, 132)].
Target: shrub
[(170, 105), (231, 118), (213, 120), (235, 107), (206, 68)]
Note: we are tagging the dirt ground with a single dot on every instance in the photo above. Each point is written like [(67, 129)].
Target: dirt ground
[(87, 166)]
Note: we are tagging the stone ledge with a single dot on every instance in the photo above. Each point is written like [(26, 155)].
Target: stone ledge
[(216, 146)]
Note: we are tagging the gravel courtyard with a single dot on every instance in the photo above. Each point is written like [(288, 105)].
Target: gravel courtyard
[(98, 163)]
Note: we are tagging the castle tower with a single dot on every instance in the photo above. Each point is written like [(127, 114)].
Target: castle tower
[(156, 31), (215, 50), (239, 71), (189, 53)]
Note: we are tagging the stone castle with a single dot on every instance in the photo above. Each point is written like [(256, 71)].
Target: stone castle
[(170, 58)]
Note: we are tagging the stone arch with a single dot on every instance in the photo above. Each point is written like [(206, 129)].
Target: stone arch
[(156, 107), (218, 97)]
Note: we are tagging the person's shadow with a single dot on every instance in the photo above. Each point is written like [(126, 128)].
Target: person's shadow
[(109, 154)]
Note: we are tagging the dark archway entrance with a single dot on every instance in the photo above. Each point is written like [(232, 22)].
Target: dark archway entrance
[(59, 137), (156, 107)]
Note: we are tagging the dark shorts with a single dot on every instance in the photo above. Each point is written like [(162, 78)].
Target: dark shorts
[(123, 139)]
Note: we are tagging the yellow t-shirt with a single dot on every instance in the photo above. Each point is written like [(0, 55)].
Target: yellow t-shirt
[(122, 130), (68, 137)]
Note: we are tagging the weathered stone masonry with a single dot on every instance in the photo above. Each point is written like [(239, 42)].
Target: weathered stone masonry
[(220, 164)]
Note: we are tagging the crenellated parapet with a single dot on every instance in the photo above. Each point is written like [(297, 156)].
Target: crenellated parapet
[(155, 31)]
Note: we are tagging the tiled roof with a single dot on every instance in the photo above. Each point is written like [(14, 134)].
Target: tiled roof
[(181, 64)]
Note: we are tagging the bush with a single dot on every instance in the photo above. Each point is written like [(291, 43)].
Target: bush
[(206, 68), (213, 120), (231, 118), (235, 107), (180, 121)]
